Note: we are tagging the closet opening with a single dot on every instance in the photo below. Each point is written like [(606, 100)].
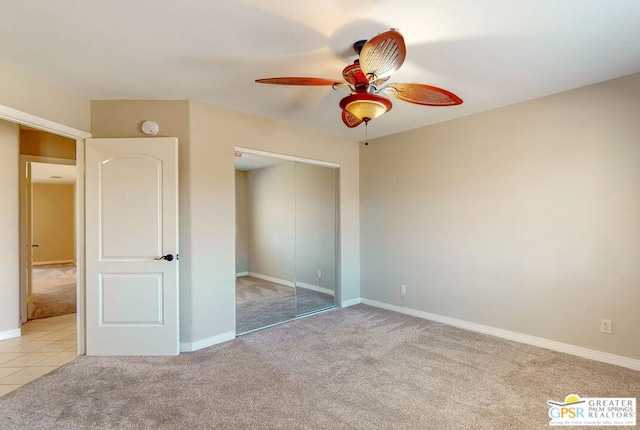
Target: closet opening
[(286, 238)]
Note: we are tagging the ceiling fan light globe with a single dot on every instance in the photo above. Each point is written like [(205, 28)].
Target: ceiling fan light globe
[(365, 106)]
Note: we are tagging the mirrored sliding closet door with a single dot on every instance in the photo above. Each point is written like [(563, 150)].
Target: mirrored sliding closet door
[(285, 239)]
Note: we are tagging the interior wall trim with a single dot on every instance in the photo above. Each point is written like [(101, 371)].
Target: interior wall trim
[(209, 341), (239, 274), (10, 334), (315, 288), (43, 263), (578, 351), (272, 279), (286, 157), (290, 283), (24, 118), (352, 302)]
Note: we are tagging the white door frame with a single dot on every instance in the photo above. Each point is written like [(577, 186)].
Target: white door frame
[(19, 117), (287, 157)]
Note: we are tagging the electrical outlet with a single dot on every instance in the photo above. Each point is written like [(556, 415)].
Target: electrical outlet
[(403, 289), (605, 326), (319, 273)]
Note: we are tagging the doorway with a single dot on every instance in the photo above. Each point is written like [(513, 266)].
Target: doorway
[(51, 231), (14, 312), (52, 284), (286, 238)]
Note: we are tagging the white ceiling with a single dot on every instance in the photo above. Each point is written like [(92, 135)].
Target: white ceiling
[(489, 52)]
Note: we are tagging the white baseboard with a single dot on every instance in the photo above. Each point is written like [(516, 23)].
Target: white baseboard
[(315, 288), (210, 341), (44, 263), (351, 302), (242, 274), (290, 283), (579, 351), (272, 279), (10, 334)]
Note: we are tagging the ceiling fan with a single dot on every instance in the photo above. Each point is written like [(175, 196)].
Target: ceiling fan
[(367, 78)]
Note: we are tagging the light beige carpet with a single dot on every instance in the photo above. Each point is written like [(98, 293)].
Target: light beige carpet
[(54, 290), (354, 368), (261, 303)]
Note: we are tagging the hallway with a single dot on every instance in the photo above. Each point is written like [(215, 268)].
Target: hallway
[(45, 345)]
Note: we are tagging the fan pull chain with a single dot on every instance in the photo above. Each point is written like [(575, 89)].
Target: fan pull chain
[(366, 133)]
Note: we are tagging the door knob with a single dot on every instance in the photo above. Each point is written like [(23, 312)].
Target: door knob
[(168, 257), (34, 245)]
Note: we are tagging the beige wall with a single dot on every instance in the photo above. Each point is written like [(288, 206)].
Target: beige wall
[(207, 195), (523, 218), (33, 142), (272, 222), (53, 227), (242, 226), (9, 222), (27, 93)]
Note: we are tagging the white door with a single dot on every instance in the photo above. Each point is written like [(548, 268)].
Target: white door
[(131, 223)]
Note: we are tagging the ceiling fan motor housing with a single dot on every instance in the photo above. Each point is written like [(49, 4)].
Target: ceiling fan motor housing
[(357, 47), (354, 75)]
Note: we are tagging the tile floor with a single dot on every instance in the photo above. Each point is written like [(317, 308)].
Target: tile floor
[(45, 345)]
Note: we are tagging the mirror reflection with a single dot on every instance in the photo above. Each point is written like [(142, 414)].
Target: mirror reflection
[(315, 231), (285, 240)]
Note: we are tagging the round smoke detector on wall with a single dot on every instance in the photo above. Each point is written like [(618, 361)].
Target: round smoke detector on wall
[(150, 128)]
